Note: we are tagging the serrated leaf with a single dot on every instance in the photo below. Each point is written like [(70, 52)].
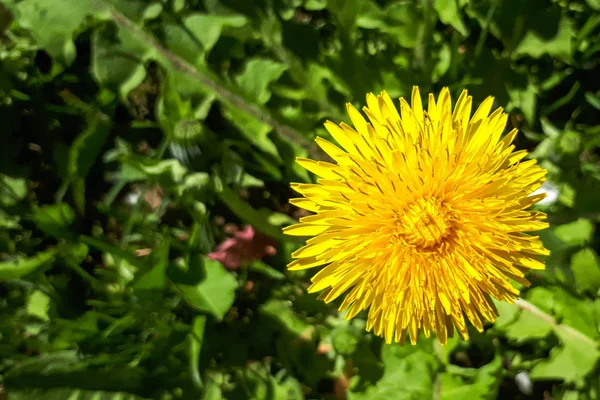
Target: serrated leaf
[(409, 374), (572, 362), (215, 293), (559, 46), (256, 77), (482, 385)]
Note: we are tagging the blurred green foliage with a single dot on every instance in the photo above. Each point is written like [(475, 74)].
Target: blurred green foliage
[(136, 134)]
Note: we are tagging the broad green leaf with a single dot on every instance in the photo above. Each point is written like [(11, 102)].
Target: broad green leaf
[(572, 362), (12, 190), (55, 220), (254, 130), (137, 10), (450, 14), (345, 339), (156, 277), (559, 46), (55, 23), (215, 294), (118, 58), (524, 98), (198, 34), (595, 4), (257, 75), (570, 310), (409, 374), (575, 233), (21, 266), (482, 385), (38, 305), (519, 325), (586, 270)]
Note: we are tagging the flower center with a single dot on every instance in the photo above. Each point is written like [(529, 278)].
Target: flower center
[(424, 223)]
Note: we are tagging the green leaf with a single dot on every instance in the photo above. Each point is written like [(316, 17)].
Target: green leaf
[(399, 20), (586, 270), (280, 311), (21, 266), (88, 145), (215, 294), (253, 129), (12, 190), (572, 362), (482, 385), (156, 277), (196, 338), (561, 45), (55, 220), (519, 325), (345, 339), (256, 77), (266, 270), (595, 4), (199, 29), (579, 232), (259, 219), (409, 374), (38, 305), (571, 311), (524, 98), (450, 14), (54, 23), (118, 59)]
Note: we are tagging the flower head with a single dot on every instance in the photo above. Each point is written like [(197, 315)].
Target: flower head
[(422, 219)]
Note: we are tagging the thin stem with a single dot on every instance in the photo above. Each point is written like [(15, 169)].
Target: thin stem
[(530, 308), (224, 94), (83, 274)]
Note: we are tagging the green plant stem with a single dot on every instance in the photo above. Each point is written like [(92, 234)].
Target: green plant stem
[(485, 29), (530, 308), (225, 94), (83, 274)]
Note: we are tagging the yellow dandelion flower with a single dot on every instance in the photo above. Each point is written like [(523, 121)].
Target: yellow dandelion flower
[(422, 220)]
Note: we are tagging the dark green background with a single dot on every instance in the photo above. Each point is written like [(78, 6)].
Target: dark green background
[(137, 125)]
